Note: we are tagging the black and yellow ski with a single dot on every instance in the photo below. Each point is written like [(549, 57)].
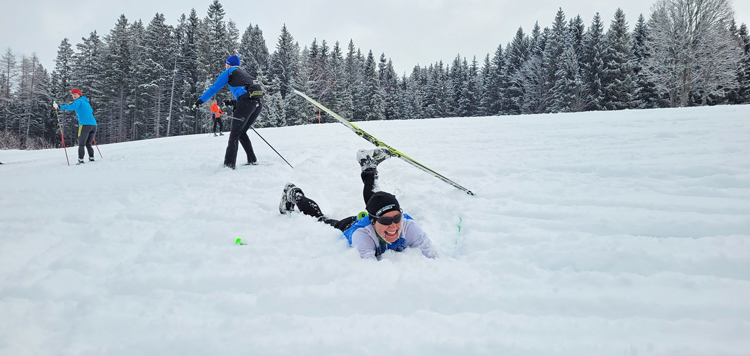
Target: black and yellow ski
[(378, 143)]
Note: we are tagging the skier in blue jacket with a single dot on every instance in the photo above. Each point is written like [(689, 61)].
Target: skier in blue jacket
[(86, 122), (384, 227), (247, 107)]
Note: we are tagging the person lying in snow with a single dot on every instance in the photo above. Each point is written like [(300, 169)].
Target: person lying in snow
[(383, 227)]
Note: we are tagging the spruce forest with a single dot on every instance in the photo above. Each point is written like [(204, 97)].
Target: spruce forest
[(142, 79)]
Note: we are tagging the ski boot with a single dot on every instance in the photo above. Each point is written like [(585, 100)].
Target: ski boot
[(91, 159), (80, 161), (288, 198), (370, 159)]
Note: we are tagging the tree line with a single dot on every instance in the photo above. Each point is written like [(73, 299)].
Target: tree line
[(143, 79)]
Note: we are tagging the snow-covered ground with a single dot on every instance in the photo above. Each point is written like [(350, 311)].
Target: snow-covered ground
[(603, 233)]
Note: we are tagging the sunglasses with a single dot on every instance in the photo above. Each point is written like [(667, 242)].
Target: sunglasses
[(389, 220)]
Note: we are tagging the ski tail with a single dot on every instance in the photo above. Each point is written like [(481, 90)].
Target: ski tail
[(378, 143)]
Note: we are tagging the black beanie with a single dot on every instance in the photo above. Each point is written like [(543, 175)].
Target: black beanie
[(381, 203)]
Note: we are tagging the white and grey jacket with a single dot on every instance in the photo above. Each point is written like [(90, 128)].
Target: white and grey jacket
[(366, 241)]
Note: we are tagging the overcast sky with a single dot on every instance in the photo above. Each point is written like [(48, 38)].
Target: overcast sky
[(441, 30)]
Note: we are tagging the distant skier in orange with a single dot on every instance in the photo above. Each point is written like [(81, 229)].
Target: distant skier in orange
[(217, 117)]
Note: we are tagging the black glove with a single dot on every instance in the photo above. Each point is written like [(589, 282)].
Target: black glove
[(230, 102), (197, 103)]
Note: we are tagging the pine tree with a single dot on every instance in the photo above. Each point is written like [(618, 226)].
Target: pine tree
[(317, 68), (62, 76), (298, 113), (436, 92), (190, 90), (456, 75), (118, 78), (87, 69), (593, 64), (284, 61), (646, 97), (531, 78), (568, 94), (139, 98), (577, 32), (742, 94), (233, 38), (256, 61), (389, 86), (87, 64), (158, 67), (468, 104), (285, 67), (618, 83), (340, 97), (254, 52), (215, 42), (273, 105), (373, 94), (414, 94), (557, 42), (517, 53), (354, 75), (485, 91)]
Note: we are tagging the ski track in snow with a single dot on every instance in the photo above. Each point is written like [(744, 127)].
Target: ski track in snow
[(600, 233)]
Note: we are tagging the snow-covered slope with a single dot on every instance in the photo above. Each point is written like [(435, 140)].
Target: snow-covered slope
[(603, 233)]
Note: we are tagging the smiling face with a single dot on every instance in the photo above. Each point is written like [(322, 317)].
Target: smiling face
[(75, 96), (389, 233)]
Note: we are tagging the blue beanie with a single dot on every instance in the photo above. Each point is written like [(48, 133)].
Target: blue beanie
[(233, 61)]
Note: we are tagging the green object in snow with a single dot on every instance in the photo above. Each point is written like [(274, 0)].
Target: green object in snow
[(239, 242)]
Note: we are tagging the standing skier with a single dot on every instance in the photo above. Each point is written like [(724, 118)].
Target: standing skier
[(217, 117), (246, 109), (384, 226), (86, 122)]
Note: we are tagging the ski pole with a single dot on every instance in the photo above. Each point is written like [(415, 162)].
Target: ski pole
[(62, 136), (256, 132), (97, 148), (269, 145)]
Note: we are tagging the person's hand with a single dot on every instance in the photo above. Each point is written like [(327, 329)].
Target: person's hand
[(197, 103), (54, 105)]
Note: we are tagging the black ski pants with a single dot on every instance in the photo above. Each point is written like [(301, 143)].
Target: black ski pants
[(86, 135), (245, 113), (218, 121), (309, 207)]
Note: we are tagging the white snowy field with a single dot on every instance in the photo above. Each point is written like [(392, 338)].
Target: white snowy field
[(602, 233)]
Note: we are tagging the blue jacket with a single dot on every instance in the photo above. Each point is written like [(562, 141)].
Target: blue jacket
[(237, 83), (83, 111)]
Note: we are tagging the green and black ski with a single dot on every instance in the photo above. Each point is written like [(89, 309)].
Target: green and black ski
[(378, 143)]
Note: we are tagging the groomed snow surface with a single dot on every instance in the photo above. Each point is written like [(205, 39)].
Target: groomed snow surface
[(601, 233)]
